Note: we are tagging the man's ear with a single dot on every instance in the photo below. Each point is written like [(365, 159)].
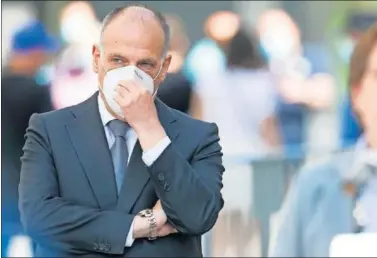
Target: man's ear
[(165, 68), (96, 55)]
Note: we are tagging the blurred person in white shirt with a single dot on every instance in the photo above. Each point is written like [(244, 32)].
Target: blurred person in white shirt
[(241, 100)]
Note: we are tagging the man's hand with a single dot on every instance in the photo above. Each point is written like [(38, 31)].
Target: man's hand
[(141, 226), (159, 214), (140, 113), (164, 228)]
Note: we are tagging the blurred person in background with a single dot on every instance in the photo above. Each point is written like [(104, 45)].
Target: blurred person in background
[(303, 87), (241, 101), (17, 15), (207, 56), (74, 80), (176, 90), (339, 195), (79, 24), (250, 91), (21, 96), (350, 127), (357, 23)]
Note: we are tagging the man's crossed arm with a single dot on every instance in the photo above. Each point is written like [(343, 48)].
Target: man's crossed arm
[(70, 228)]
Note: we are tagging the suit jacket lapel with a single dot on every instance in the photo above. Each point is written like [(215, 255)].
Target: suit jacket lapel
[(137, 172), (88, 138)]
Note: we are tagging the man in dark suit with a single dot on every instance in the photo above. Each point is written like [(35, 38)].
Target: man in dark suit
[(81, 194)]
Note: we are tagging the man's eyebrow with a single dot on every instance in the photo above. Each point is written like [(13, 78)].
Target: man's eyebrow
[(116, 55), (147, 60)]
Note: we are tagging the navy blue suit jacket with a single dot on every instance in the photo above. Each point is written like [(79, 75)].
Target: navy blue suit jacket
[(68, 197)]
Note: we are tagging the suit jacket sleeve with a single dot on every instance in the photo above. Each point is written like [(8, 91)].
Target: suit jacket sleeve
[(57, 223), (190, 193)]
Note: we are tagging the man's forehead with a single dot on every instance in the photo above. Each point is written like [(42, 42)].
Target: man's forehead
[(137, 29), (136, 15)]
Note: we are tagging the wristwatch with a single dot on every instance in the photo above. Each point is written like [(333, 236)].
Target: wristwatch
[(148, 213)]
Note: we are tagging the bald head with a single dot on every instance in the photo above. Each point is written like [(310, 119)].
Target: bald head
[(145, 16)]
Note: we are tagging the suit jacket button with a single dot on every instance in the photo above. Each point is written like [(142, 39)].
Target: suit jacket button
[(95, 247), (167, 187), (161, 177)]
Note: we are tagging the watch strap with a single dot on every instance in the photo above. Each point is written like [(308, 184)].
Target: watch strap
[(149, 215)]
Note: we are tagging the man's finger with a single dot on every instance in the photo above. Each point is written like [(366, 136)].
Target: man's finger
[(129, 85), (124, 84), (119, 99), (122, 91), (171, 228)]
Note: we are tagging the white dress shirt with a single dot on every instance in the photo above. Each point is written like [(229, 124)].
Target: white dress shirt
[(149, 157)]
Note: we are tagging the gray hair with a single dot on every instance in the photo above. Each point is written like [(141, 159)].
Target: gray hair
[(159, 17)]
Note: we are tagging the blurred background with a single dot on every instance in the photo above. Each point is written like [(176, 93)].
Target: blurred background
[(271, 74)]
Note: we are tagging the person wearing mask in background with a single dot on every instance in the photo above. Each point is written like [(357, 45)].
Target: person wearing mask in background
[(305, 88), (207, 57), (21, 96), (339, 195), (241, 101), (176, 90), (122, 174)]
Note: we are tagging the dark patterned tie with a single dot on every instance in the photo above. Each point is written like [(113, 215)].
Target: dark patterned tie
[(119, 150)]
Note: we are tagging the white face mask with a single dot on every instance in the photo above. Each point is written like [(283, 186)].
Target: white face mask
[(130, 72)]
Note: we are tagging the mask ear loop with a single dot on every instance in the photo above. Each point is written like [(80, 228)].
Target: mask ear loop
[(106, 71), (159, 71)]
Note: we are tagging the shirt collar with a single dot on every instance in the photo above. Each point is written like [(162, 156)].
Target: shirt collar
[(105, 115)]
